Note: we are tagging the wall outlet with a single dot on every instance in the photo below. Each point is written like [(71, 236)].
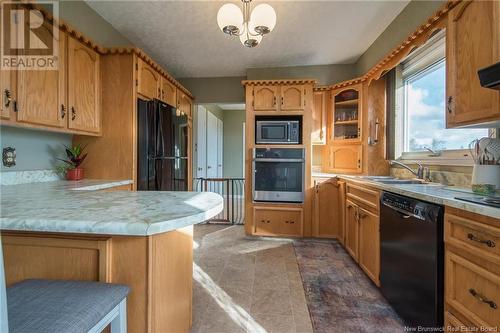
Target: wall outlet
[(9, 156)]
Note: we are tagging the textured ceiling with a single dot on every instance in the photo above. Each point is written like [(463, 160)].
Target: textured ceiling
[(183, 36)]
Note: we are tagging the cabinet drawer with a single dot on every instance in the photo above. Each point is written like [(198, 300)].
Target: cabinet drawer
[(367, 197), (476, 238), (472, 290), (277, 221)]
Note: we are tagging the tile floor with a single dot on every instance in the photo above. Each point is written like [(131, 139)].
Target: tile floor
[(254, 285), (246, 285)]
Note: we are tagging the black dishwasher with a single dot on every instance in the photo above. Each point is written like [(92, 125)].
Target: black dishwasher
[(412, 259)]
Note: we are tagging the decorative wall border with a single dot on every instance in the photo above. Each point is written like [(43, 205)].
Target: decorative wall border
[(277, 82), (425, 31), (71, 31)]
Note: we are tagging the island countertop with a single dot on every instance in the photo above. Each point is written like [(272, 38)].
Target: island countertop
[(79, 207)]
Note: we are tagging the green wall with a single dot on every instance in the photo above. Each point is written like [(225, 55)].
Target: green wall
[(233, 143), (411, 17), (324, 74), (35, 150), (216, 89)]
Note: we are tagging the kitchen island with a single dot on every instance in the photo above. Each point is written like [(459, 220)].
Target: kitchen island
[(86, 231)]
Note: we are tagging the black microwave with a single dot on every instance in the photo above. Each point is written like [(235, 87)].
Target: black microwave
[(275, 131)]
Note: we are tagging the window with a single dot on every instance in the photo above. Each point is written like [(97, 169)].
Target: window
[(420, 107)]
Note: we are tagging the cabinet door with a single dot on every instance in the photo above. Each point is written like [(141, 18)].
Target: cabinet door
[(184, 103), (168, 92), (351, 229), (7, 93), (318, 133), (472, 43), (83, 88), (266, 221), (369, 244), (148, 80), (290, 222), (41, 94), (346, 116), (265, 98), (345, 158), (328, 209), (292, 98)]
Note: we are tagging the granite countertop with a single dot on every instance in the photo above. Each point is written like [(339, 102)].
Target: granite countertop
[(78, 207), (432, 192)]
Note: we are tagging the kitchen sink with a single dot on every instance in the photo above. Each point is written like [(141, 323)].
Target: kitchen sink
[(400, 181), (376, 178)]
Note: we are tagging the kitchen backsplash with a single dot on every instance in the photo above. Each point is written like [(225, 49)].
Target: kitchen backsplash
[(450, 178), (26, 177)]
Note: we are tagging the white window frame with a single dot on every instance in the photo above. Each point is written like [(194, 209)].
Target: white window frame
[(418, 63)]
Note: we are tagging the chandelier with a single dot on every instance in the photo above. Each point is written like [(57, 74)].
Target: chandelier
[(250, 26)]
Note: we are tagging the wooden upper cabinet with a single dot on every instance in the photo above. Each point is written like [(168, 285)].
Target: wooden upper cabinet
[(184, 103), (346, 158), (41, 94), (369, 244), (346, 116), (328, 215), (148, 80), (292, 97), (265, 98), (472, 43), (83, 88), (7, 93), (319, 118), (168, 92), (351, 229)]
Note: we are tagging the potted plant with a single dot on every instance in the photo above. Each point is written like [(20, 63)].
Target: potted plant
[(71, 167)]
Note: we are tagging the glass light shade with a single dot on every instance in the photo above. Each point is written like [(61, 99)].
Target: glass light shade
[(249, 40), (230, 18), (263, 18)]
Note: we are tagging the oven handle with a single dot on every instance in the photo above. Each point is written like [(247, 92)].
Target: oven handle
[(293, 160)]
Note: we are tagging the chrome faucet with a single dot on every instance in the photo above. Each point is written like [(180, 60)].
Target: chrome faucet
[(419, 173)]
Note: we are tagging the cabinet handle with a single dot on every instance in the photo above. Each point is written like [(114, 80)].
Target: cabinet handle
[(268, 221), (73, 113), (274, 101), (448, 105), (282, 102), (292, 222), (487, 242), (15, 106), (159, 93), (262, 221), (7, 98), (483, 299), (287, 222), (63, 111), (163, 93), (321, 134)]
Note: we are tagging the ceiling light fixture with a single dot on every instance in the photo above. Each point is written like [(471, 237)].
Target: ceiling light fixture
[(250, 26)]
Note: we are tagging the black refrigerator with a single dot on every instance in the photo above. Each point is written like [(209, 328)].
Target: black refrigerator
[(162, 138)]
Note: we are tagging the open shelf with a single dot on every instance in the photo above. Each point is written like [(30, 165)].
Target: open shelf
[(349, 103), (346, 122)]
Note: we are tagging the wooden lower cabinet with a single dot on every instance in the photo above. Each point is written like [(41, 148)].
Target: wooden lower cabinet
[(452, 324), (279, 221), (369, 244), (351, 229), (362, 229), (328, 213), (472, 270), (158, 269)]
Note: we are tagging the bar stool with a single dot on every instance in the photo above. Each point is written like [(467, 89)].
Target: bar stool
[(47, 306)]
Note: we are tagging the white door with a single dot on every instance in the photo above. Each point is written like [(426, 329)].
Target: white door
[(220, 145), (201, 142), (211, 145)]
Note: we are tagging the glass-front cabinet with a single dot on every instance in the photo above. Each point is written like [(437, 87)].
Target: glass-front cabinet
[(346, 115)]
